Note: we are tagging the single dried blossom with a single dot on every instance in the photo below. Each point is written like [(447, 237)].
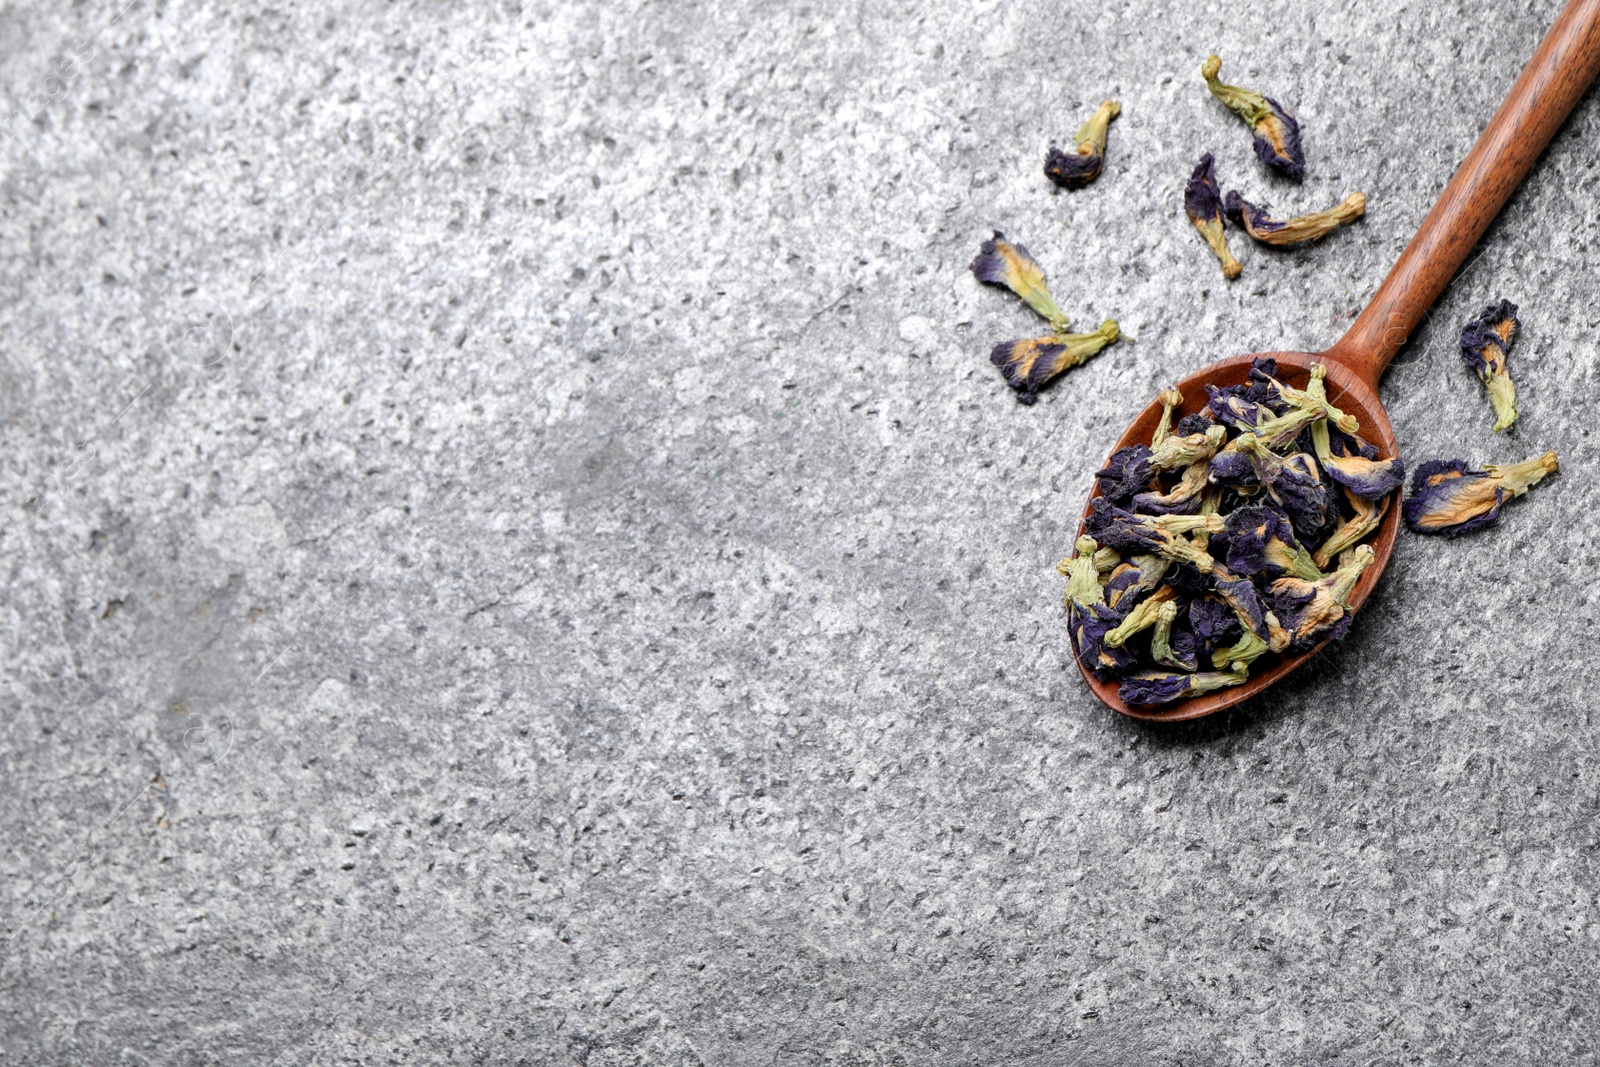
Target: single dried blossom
[(1030, 365), (1449, 498), (1173, 644), (1293, 481), (1141, 618), (1277, 134), (1174, 452), (1314, 610), (1485, 342), (1170, 399), (1368, 514), (1088, 628), (1083, 577), (1163, 687), (1259, 224), (1081, 165), (1130, 581), (1008, 263), (1261, 541), (1202, 202), (1127, 472), (1182, 499)]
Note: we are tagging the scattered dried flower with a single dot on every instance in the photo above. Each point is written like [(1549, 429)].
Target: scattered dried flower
[(1030, 365), (1072, 170), (1202, 202), (1270, 231), (1009, 264), (1449, 498), (1485, 343), (1277, 134)]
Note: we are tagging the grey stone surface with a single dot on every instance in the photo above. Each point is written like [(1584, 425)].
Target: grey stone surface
[(514, 551)]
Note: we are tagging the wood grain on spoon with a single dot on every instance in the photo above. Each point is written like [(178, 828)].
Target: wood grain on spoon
[(1561, 70)]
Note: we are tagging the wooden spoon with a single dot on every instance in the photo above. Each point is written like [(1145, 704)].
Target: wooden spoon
[(1562, 68)]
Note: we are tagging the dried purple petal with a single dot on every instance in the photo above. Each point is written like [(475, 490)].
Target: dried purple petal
[(1199, 422), (1182, 499), (1088, 628), (1030, 365), (1163, 687), (1230, 407), (1485, 343), (1368, 478), (1173, 644), (1202, 202), (1127, 472), (1213, 620), (1293, 481), (1082, 165), (1449, 498), (1316, 610), (1261, 541), (1233, 468), (1277, 134), (1008, 263), (1259, 224), (1131, 581)]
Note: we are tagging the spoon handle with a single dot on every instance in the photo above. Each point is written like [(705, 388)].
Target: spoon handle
[(1566, 61)]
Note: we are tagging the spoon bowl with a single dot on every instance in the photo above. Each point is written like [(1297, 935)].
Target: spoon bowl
[(1549, 87), (1346, 391)]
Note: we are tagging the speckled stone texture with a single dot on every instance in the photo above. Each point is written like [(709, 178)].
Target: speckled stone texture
[(514, 552)]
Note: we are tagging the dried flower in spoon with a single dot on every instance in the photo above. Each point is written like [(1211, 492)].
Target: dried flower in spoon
[(1485, 343), (1449, 498), (1270, 231), (1079, 167), (1277, 134), (1313, 610), (1202, 202), (1163, 687)]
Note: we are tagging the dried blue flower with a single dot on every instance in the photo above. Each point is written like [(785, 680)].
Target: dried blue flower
[(1233, 468), (1202, 202), (1261, 541), (1368, 478), (1007, 263), (1214, 620), (1163, 687), (1485, 343), (1259, 224), (1127, 472), (1182, 499), (1277, 134), (1368, 514), (1189, 425), (1293, 481), (1230, 407), (1314, 610), (1088, 628), (1155, 534), (1173, 644), (1072, 170), (1130, 581), (1449, 498), (1030, 365)]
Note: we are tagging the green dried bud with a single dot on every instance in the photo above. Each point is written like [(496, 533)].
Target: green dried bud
[(1083, 579), (1106, 560), (1241, 654), (1170, 399), (1369, 514), (1315, 394), (1174, 452), (1281, 431), (1142, 617)]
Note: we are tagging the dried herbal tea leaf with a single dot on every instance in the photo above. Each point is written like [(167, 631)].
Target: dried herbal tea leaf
[(1277, 134), (1270, 231), (1079, 167), (1485, 343), (1450, 498), (1202, 202)]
